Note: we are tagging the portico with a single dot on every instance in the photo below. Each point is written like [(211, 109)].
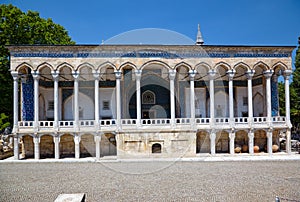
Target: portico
[(137, 98)]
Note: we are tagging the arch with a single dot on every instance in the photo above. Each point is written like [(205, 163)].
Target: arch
[(67, 146), (241, 141), (155, 62), (46, 146), (63, 65), (189, 67), (203, 64), (27, 146), (222, 142), (85, 64), (44, 65), (258, 101), (156, 148), (106, 64), (260, 141), (108, 144), (86, 107), (202, 142), (87, 146), (279, 66), (243, 65), (24, 65), (128, 64), (148, 97), (222, 64), (261, 65)]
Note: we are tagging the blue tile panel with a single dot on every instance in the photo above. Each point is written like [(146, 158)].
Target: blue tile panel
[(27, 99), (274, 97)]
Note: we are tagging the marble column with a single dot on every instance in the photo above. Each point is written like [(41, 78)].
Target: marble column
[(16, 100), (77, 146), (172, 74), (230, 74), (212, 142), (36, 141), (231, 144), (76, 100), (138, 75), (56, 140), (269, 141), (211, 75), (249, 76), (192, 74), (16, 147), (251, 141), (55, 75), (96, 86), (97, 139), (36, 77), (287, 74), (118, 75), (268, 75)]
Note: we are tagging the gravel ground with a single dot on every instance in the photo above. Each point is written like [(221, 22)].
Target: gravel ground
[(152, 181)]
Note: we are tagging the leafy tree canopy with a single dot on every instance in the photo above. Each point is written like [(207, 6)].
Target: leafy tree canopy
[(17, 27)]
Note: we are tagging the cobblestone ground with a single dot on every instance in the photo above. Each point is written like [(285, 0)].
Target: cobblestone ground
[(152, 181)]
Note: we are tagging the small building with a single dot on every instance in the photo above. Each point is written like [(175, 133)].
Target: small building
[(137, 101)]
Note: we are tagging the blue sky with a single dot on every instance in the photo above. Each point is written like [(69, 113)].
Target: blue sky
[(223, 22)]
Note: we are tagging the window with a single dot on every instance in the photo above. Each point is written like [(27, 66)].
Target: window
[(148, 97), (245, 101), (105, 105), (50, 105)]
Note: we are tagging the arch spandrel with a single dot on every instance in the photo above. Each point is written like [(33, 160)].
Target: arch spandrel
[(24, 65)]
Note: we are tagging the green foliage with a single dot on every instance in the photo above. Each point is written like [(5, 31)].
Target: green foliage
[(17, 27), (3, 121)]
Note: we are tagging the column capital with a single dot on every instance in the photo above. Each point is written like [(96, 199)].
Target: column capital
[(268, 73), (287, 73), (96, 74), (230, 73), (172, 74), (211, 74), (138, 74), (14, 74), (55, 74), (250, 73), (35, 74), (75, 74), (118, 74), (192, 74)]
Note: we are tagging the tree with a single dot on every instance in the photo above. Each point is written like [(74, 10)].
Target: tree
[(17, 27), (295, 90)]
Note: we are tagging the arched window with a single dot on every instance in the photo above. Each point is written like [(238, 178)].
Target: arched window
[(148, 97), (156, 148)]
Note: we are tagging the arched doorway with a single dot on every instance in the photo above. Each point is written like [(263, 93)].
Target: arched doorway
[(67, 146), (202, 142), (222, 142), (46, 146), (260, 140), (87, 146), (241, 141), (27, 146), (156, 148), (108, 145)]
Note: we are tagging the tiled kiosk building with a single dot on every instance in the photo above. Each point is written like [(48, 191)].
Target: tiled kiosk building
[(148, 100)]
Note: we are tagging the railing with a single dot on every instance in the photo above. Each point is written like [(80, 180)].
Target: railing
[(156, 121), (183, 120), (202, 120), (222, 120), (128, 121), (87, 123), (259, 119), (46, 123), (64, 124), (241, 120), (25, 123), (107, 122), (278, 119)]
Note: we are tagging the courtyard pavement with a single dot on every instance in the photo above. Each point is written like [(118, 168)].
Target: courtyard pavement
[(203, 178)]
